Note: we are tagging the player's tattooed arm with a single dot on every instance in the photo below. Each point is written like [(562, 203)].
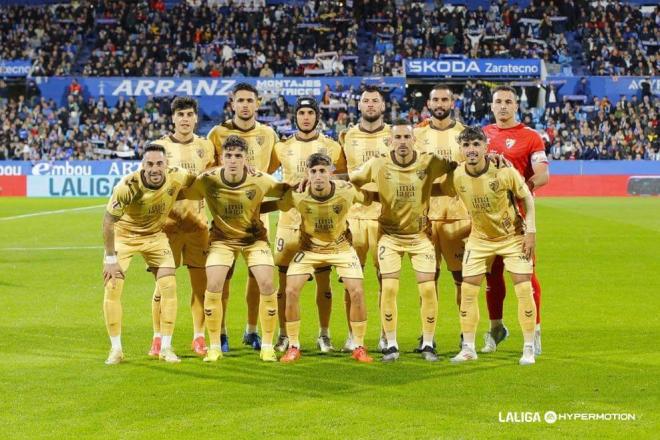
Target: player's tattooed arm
[(111, 268), (529, 241)]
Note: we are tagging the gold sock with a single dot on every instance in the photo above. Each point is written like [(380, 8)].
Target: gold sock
[(155, 310), (167, 288), (469, 307), (526, 309), (429, 309), (293, 330), (112, 306), (198, 284), (213, 316), (359, 330), (268, 317), (388, 308)]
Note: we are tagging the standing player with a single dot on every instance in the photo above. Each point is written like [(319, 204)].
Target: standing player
[(450, 223), (360, 143), (525, 149), (325, 241), (234, 197), (292, 154), (133, 223), (498, 229), (404, 178), (260, 140), (186, 227)]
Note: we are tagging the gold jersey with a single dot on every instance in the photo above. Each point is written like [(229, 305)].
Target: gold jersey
[(359, 146), (142, 210), (260, 139), (235, 206), (324, 227), (444, 144), (404, 191), (196, 155), (292, 155), (489, 198)]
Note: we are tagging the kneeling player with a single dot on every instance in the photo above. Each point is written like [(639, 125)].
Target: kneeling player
[(498, 229), (325, 241), (233, 196)]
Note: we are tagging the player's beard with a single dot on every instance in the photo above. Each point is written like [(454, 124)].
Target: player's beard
[(440, 114), (371, 119)]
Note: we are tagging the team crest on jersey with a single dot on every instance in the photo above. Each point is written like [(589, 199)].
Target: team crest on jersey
[(200, 153), (510, 143), (250, 193), (421, 174), (493, 185), (337, 208), (170, 192), (261, 140)]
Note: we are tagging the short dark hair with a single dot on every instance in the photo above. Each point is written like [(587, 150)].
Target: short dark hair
[(401, 121), (234, 142), (154, 147), (473, 133), (374, 89), (441, 86), (245, 86), (182, 103), (318, 159), (505, 89)]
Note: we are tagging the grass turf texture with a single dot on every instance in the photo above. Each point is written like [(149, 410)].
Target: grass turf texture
[(597, 265)]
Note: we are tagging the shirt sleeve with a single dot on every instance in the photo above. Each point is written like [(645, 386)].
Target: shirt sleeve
[(514, 182), (286, 202), (196, 190), (273, 188), (438, 167), (122, 196), (364, 173)]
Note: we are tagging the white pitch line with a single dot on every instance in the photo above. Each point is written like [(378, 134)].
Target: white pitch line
[(52, 248), (58, 211)]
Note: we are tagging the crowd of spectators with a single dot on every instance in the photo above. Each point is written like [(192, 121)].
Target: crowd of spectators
[(618, 38), (50, 36), (222, 39), (82, 129), (574, 127)]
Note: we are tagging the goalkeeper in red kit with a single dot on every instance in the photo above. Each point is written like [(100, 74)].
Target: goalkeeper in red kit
[(525, 149)]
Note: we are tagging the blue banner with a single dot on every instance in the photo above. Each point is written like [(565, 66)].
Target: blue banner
[(68, 168), (472, 68), (212, 93), (15, 67), (611, 86)]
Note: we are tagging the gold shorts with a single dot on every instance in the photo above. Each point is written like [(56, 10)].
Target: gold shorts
[(190, 248), (418, 246), (449, 239), (479, 256), (154, 248), (365, 238), (265, 219), (287, 243), (224, 254), (347, 264)]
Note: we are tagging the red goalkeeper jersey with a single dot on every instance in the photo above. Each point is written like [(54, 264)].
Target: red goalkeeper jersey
[(521, 145)]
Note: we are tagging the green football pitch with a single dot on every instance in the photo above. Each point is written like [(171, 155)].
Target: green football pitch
[(597, 262)]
